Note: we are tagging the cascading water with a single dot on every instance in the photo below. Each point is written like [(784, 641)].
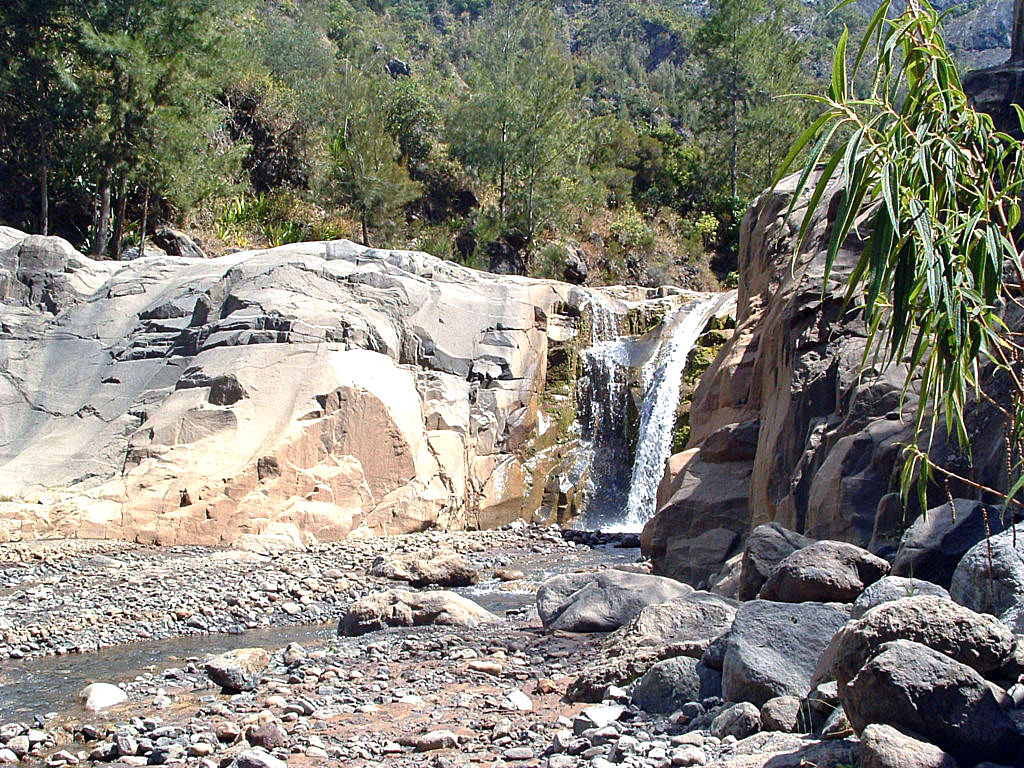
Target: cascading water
[(662, 376)]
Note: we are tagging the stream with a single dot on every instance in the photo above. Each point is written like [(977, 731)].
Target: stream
[(38, 686)]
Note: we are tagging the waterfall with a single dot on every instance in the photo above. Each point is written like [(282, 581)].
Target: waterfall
[(662, 376)]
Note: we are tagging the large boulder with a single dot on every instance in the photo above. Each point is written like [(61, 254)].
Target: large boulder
[(442, 570), (975, 640), (990, 578), (935, 542), (177, 243), (912, 686), (882, 746), (766, 546), (684, 626), (890, 588), (401, 608), (238, 670), (772, 648), (670, 684), (824, 572), (602, 601)]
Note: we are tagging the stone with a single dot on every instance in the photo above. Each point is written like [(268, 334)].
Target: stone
[(739, 721), (238, 670), (443, 570), (19, 745), (267, 735), (912, 686), (177, 243), (977, 640), (773, 647), (603, 600), (440, 739), (258, 758), (890, 588), (882, 746), (401, 608), (99, 696), (783, 714), (518, 701), (765, 547), (685, 757), (1001, 591), (670, 684), (936, 541), (824, 572)]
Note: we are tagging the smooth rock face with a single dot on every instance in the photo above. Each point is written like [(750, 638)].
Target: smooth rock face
[(269, 399), (882, 746), (443, 570), (890, 588), (99, 696), (602, 601), (401, 608), (1003, 594), (912, 686), (766, 546), (238, 670), (773, 648), (670, 684), (976, 640), (825, 572), (934, 544)]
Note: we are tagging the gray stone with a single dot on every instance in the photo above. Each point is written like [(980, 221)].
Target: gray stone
[(772, 648), (238, 670), (602, 601), (670, 684), (882, 746), (824, 572), (740, 721), (441, 570), (890, 588), (911, 686), (401, 608), (783, 714), (1001, 591), (258, 758), (766, 546)]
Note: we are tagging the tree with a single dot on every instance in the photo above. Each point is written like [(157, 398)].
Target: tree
[(365, 170), (515, 122), (934, 191), (748, 58)]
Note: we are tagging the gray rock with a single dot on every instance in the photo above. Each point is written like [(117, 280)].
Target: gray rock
[(1000, 593), (890, 588), (911, 686), (882, 746), (602, 601), (176, 243), (258, 758), (740, 720), (772, 648), (441, 570), (238, 670), (936, 541), (977, 640), (670, 684), (766, 546), (783, 714), (823, 572), (401, 608)]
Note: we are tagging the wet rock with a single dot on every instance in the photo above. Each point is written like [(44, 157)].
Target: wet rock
[(766, 546), (99, 696), (238, 670), (773, 647), (400, 608), (890, 588), (935, 542), (912, 686), (882, 746), (670, 684), (602, 601), (1001, 591), (824, 572), (979, 641)]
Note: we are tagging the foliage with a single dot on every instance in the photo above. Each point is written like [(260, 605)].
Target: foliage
[(935, 190)]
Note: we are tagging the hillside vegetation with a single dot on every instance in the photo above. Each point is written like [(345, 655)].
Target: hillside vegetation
[(605, 141)]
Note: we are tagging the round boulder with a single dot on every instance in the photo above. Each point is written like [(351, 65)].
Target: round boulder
[(889, 588), (1000, 592), (882, 746), (825, 572), (670, 684)]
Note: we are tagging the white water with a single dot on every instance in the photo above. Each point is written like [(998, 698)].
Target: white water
[(662, 376)]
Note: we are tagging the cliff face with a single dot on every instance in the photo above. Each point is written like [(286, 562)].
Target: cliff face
[(275, 397), (785, 428)]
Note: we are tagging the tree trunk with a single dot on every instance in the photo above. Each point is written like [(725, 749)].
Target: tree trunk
[(501, 194), (145, 218), (122, 201), (103, 225), (362, 221), (1017, 42), (44, 193)]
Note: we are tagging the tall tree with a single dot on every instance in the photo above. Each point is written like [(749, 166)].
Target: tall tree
[(749, 58), (515, 123)]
